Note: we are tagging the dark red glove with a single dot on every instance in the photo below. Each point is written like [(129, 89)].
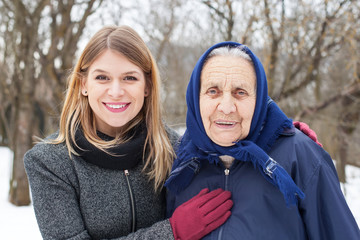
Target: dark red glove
[(200, 215), (308, 131)]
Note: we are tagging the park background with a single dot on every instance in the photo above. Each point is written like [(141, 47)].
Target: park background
[(309, 49)]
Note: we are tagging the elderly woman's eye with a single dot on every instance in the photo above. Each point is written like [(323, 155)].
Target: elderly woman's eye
[(241, 93), (212, 91)]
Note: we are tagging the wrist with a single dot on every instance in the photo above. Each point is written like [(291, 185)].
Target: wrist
[(173, 228)]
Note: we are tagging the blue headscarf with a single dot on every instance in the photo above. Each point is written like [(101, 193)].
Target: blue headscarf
[(267, 124)]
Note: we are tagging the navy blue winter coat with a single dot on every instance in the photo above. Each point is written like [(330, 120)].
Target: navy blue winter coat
[(259, 210)]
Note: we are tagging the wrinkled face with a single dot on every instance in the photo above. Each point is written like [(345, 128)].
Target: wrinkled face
[(116, 90), (227, 98)]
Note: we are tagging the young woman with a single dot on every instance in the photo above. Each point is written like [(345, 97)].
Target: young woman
[(101, 175)]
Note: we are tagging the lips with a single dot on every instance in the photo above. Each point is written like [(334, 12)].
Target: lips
[(116, 107), (225, 123)]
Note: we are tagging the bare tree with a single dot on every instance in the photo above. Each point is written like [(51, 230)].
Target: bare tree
[(166, 30), (162, 20), (276, 36), (222, 11), (232, 20), (41, 41), (307, 79), (22, 25), (322, 40)]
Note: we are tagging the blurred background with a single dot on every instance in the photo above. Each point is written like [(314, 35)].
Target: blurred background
[(309, 49)]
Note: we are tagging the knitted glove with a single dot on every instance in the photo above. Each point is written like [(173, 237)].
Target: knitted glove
[(202, 214), (308, 131)]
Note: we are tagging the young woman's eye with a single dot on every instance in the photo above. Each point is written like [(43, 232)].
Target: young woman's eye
[(101, 77), (130, 78)]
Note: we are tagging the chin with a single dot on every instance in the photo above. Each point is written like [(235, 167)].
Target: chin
[(116, 125), (225, 144)]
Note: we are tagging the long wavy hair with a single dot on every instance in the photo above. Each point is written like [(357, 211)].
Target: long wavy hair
[(77, 111)]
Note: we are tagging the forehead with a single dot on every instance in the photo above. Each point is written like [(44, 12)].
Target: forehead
[(113, 60), (220, 68)]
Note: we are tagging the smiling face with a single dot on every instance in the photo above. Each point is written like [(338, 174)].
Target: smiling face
[(116, 89), (227, 98)]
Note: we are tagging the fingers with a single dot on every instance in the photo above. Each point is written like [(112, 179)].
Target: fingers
[(218, 222), (208, 196), (217, 213), (307, 131), (200, 194), (296, 124), (203, 192), (215, 202), (201, 214)]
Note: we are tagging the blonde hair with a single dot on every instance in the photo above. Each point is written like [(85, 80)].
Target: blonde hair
[(77, 112)]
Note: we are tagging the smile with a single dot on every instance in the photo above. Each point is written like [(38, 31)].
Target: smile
[(225, 123), (116, 108)]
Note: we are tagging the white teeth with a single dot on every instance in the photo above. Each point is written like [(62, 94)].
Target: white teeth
[(116, 106), (225, 123)]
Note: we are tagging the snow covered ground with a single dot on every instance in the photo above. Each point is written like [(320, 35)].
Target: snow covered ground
[(19, 222)]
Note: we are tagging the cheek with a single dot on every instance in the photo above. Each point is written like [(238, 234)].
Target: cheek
[(205, 106), (250, 111), (140, 96), (95, 89), (138, 89), (94, 94)]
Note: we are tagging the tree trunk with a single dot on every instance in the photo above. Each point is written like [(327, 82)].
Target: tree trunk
[(342, 157), (19, 186), (27, 72), (348, 120)]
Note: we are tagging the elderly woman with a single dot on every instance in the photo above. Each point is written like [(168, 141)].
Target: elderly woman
[(284, 185)]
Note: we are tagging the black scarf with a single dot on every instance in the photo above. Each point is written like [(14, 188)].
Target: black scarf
[(124, 156)]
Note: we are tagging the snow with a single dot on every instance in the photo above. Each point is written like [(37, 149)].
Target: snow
[(16, 222), (20, 223)]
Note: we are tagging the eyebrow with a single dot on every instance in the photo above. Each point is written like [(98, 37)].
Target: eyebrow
[(125, 73), (237, 84), (210, 83)]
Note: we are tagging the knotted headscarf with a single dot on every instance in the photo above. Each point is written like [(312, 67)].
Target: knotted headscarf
[(267, 124)]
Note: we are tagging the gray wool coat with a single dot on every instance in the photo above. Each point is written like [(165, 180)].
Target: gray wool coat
[(76, 200)]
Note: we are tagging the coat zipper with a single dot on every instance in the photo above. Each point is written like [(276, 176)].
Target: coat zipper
[(227, 173), (132, 202)]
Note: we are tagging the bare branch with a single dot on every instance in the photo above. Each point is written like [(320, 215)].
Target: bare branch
[(248, 29), (223, 15), (354, 89), (268, 19), (318, 47), (218, 12)]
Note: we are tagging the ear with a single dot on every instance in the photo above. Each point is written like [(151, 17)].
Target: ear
[(84, 87), (146, 92)]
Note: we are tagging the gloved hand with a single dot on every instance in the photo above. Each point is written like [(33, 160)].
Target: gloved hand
[(202, 214), (307, 130)]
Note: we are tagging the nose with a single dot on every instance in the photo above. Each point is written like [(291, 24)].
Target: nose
[(227, 104), (116, 89)]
